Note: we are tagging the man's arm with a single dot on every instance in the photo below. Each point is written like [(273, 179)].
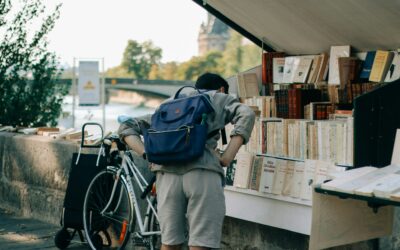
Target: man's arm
[(135, 143), (231, 150)]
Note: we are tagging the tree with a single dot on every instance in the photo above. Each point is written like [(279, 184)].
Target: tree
[(169, 70), (138, 58), (198, 65), (29, 94), (118, 71)]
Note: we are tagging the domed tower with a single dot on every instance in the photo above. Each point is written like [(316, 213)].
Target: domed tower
[(213, 35)]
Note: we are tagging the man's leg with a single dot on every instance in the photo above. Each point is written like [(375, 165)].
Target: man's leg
[(171, 204), (205, 209)]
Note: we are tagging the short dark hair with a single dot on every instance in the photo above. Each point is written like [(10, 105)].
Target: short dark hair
[(212, 81)]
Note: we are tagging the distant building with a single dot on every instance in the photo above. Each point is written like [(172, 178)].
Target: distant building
[(213, 35)]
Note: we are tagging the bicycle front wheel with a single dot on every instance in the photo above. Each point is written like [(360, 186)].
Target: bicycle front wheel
[(107, 211)]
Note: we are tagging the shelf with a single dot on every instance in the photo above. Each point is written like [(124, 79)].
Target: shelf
[(298, 159), (272, 210)]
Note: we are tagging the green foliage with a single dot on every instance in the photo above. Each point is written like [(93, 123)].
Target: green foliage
[(29, 94), (197, 65), (143, 61), (239, 55), (138, 58), (118, 71)]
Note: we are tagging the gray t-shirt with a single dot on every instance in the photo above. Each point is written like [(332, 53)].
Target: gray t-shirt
[(227, 108)]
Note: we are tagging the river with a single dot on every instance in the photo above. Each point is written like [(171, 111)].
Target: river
[(95, 114)]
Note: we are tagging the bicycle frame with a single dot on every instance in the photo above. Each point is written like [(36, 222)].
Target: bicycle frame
[(126, 171)]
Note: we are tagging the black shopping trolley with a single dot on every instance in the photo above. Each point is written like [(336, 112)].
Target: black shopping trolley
[(83, 168)]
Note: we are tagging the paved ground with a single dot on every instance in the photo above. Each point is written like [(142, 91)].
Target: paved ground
[(22, 233)]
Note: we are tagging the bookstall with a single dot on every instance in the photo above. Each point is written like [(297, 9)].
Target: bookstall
[(320, 61)]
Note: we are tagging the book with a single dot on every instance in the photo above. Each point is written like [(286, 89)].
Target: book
[(297, 179), (367, 65), (314, 69), (380, 67), (278, 69), (268, 175), (256, 172), (243, 168), (288, 69), (308, 179), (335, 53), (279, 177), (267, 70), (348, 70), (352, 185), (347, 176), (323, 69), (302, 70), (394, 69), (288, 180), (248, 85), (382, 187)]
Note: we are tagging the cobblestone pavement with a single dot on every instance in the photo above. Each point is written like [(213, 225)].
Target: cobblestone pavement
[(23, 233)]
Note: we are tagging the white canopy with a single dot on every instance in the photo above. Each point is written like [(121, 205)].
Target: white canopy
[(312, 26)]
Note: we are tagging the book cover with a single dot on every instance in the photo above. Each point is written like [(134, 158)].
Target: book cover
[(279, 178), (288, 180), (308, 179), (268, 175), (366, 179), (256, 172), (394, 69), (243, 168), (348, 70), (323, 69), (382, 62), (297, 179), (288, 69), (314, 69), (347, 176), (335, 53), (382, 187), (367, 65), (278, 69), (302, 70)]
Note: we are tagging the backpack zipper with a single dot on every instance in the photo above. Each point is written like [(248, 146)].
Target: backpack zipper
[(168, 131)]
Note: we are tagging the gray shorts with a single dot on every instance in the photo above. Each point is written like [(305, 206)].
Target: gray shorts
[(196, 198)]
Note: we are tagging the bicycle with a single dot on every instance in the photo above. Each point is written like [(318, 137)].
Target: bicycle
[(111, 210)]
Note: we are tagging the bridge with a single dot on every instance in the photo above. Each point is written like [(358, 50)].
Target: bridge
[(162, 88)]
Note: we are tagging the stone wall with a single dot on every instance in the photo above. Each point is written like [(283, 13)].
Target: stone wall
[(34, 174)]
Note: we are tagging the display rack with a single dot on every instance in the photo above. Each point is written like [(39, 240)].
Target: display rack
[(268, 209)]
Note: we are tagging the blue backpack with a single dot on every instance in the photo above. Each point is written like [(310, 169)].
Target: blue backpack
[(178, 130)]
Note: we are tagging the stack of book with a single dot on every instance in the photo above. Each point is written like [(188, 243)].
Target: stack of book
[(282, 177), (329, 140)]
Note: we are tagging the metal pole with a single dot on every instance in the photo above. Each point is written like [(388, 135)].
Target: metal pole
[(73, 93), (103, 97)]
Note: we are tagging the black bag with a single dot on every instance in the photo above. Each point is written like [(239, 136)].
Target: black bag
[(79, 179)]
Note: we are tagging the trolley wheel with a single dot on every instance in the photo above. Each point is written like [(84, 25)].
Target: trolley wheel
[(62, 238)]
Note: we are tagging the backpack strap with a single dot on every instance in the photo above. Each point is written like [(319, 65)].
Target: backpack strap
[(215, 132), (179, 90)]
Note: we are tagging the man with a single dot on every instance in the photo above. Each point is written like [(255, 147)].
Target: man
[(193, 192)]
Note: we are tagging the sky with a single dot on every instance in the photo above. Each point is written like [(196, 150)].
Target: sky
[(96, 29)]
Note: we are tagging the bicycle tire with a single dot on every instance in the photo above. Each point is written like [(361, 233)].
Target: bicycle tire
[(114, 225)]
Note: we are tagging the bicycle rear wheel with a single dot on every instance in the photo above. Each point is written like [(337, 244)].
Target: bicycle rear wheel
[(107, 228)]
